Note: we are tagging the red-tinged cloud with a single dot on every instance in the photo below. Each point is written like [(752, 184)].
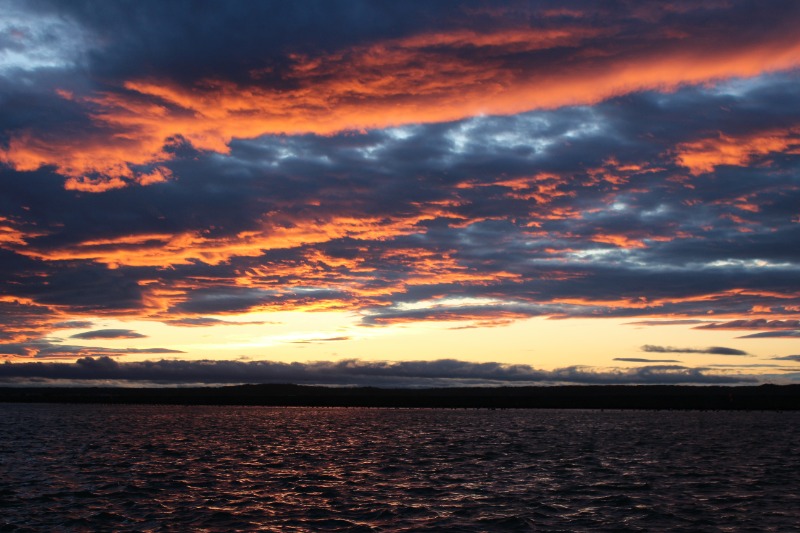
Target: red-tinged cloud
[(707, 154), (24, 319), (275, 232), (426, 77)]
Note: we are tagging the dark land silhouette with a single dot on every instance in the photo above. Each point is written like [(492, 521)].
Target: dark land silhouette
[(772, 397)]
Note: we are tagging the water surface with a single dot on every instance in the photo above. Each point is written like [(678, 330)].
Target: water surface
[(175, 468)]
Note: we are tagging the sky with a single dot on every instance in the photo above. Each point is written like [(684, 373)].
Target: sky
[(399, 193)]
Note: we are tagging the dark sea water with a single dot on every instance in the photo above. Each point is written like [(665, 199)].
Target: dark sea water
[(167, 468)]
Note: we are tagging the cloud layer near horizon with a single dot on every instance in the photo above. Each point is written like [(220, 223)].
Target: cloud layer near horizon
[(405, 162), (443, 372)]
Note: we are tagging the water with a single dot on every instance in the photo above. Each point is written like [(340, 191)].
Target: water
[(168, 468)]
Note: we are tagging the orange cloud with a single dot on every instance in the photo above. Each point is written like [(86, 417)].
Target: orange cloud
[(619, 240), (9, 234), (92, 163), (163, 250), (420, 79), (707, 154)]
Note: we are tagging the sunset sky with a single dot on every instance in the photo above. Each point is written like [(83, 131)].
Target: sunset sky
[(399, 193)]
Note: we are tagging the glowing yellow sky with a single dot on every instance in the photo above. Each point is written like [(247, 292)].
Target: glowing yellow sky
[(539, 342)]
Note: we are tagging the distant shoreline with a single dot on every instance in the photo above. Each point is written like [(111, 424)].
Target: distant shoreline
[(675, 397)]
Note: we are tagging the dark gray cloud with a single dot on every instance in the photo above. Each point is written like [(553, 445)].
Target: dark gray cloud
[(223, 300), (350, 372), (23, 319), (108, 334), (195, 40), (757, 323), (679, 322), (772, 335), (644, 360), (751, 365), (715, 350), (795, 358), (204, 321), (46, 348), (73, 324), (324, 339)]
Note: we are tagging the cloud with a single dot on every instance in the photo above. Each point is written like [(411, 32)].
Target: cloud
[(715, 350), (208, 321), (108, 334), (677, 322), (772, 335), (317, 340), (44, 348), (751, 365), (757, 323), (23, 319), (644, 360), (444, 372), (441, 312), (795, 358), (223, 300), (430, 73), (707, 154), (73, 324)]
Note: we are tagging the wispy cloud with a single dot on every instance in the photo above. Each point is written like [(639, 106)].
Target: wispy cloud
[(44, 348), (715, 350)]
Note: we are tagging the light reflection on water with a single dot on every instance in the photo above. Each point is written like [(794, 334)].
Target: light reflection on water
[(173, 468)]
